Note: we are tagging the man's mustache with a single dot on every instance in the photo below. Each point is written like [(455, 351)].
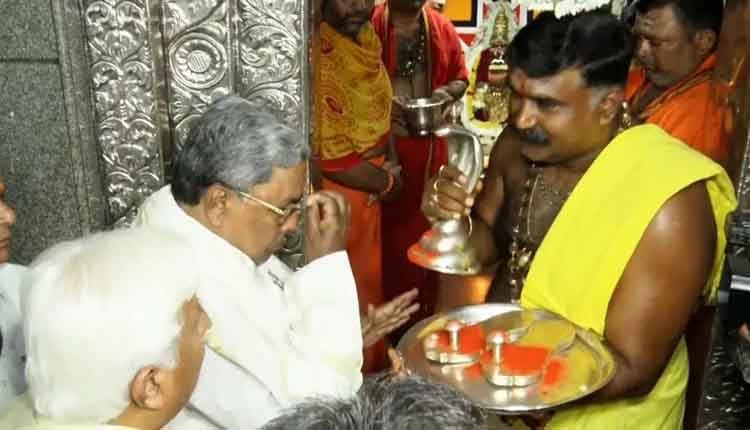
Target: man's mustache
[(644, 62), (534, 136)]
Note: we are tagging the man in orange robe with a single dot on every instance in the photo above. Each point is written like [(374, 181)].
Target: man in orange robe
[(353, 105), (672, 88), (422, 53)]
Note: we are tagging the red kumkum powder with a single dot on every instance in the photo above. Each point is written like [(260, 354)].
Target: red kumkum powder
[(523, 360), (470, 339), (554, 372)]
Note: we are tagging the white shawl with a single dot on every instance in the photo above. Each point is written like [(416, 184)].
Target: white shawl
[(278, 336)]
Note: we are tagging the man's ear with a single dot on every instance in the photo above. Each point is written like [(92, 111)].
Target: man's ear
[(215, 201), (609, 106), (704, 42), (147, 391)]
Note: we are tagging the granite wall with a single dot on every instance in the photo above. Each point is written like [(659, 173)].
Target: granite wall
[(42, 160)]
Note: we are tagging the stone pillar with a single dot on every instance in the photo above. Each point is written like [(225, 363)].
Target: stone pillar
[(48, 161)]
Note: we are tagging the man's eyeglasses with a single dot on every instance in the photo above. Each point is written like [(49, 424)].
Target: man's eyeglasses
[(284, 214)]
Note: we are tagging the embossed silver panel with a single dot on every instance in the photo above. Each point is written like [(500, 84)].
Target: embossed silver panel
[(153, 66), (726, 401), (125, 77), (197, 38), (272, 57)]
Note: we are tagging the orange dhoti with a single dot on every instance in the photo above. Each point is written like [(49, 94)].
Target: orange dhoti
[(364, 249)]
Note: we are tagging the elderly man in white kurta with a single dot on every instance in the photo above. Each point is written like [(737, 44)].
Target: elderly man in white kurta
[(278, 336)]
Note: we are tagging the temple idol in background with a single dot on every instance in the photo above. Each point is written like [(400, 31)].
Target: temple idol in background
[(487, 98)]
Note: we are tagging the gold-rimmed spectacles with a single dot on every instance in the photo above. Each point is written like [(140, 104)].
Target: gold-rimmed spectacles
[(283, 214)]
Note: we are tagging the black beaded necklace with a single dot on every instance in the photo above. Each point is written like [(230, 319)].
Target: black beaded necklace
[(410, 58)]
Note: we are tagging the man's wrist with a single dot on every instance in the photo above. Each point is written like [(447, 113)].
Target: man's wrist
[(389, 186), (445, 92)]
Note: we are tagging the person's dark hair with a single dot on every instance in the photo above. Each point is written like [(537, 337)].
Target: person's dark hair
[(386, 402), (695, 15), (595, 42), (236, 144)]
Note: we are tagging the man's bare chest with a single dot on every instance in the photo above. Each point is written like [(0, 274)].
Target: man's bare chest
[(533, 198)]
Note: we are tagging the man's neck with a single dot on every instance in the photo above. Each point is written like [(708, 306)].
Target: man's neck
[(405, 19), (197, 214), (659, 90), (351, 37), (580, 164)]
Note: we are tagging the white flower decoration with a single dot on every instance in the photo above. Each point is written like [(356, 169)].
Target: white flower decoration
[(570, 7)]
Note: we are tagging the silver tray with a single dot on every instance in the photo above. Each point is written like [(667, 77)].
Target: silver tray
[(590, 365)]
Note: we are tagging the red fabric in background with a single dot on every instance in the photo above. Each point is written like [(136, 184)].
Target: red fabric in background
[(448, 61), (403, 225), (403, 221), (468, 38)]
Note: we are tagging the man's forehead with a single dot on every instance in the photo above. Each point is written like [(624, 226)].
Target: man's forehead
[(656, 22), (557, 86), (286, 183)]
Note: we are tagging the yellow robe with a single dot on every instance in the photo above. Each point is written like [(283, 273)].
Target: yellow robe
[(605, 217)]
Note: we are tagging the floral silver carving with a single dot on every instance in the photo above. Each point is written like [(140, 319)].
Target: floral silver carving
[(123, 82), (198, 61), (272, 52), (197, 36)]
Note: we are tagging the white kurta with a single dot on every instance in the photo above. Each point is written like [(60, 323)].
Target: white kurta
[(51, 425), (278, 336), (12, 380), (21, 417)]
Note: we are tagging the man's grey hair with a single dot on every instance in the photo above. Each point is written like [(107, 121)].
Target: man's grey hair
[(386, 402), (236, 144)]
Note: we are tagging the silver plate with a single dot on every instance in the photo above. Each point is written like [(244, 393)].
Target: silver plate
[(590, 365)]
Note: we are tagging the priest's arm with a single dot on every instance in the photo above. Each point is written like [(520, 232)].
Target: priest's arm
[(659, 289)]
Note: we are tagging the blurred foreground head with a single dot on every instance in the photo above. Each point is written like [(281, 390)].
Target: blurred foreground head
[(387, 402), (112, 329)]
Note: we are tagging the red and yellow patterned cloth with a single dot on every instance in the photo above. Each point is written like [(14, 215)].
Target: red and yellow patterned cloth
[(353, 97)]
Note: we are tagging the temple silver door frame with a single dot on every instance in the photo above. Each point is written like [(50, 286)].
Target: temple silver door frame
[(137, 73)]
